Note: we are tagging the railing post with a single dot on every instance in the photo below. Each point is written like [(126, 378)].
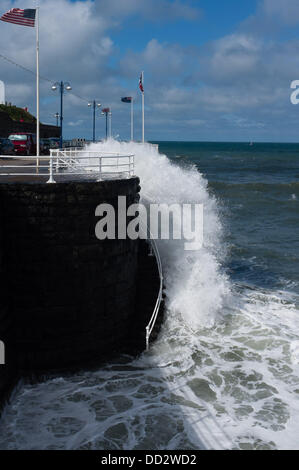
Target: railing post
[(57, 164), (147, 338), (151, 324), (51, 179), (100, 169), (151, 252)]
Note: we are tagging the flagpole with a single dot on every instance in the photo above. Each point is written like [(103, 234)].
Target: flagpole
[(37, 86), (142, 110), (132, 120), (110, 124)]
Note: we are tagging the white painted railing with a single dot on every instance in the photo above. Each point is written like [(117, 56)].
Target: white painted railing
[(151, 324), (71, 161)]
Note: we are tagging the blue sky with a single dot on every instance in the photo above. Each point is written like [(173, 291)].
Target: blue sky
[(215, 19), (214, 70)]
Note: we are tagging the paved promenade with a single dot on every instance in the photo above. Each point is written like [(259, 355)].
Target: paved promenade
[(38, 174)]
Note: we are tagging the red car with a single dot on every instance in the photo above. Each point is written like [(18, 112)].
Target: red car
[(24, 143)]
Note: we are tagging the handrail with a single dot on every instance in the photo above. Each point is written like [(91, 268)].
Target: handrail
[(154, 247), (75, 162), (151, 324)]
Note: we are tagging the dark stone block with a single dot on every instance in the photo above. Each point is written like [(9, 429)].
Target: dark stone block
[(67, 297)]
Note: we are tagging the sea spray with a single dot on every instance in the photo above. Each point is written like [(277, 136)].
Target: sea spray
[(195, 286)]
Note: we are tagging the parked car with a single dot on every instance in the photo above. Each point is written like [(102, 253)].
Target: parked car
[(24, 143), (41, 147), (45, 146), (6, 147), (54, 142)]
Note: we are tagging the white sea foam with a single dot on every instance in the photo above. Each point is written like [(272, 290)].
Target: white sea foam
[(195, 287)]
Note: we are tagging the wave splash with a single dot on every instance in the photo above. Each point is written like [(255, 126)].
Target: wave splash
[(195, 287)]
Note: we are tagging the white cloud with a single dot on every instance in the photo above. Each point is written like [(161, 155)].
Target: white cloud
[(272, 16), (236, 54), (169, 62), (20, 92), (286, 11), (243, 122), (77, 123)]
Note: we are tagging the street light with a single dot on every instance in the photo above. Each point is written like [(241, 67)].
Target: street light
[(61, 86), (107, 112), (57, 115), (94, 104)]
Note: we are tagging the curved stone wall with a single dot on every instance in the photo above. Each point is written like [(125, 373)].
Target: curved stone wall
[(67, 297)]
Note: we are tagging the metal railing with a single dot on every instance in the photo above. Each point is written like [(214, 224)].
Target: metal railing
[(72, 161), (81, 162), (151, 324), (154, 251)]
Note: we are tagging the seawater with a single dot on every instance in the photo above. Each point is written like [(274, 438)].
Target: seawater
[(224, 372)]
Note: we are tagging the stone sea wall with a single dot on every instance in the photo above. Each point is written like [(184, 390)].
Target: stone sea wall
[(67, 298)]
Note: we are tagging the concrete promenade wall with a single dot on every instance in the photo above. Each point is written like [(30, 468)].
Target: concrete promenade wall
[(66, 297)]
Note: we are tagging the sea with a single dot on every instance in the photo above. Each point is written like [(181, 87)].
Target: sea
[(224, 371)]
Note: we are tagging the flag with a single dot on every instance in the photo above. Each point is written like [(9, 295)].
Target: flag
[(22, 17), (127, 99), (141, 83), (27, 17)]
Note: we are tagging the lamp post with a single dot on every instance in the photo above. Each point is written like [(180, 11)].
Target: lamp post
[(106, 111), (57, 115), (62, 86), (94, 104)]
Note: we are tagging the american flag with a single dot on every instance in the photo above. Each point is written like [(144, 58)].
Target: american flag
[(141, 83), (127, 99), (17, 16)]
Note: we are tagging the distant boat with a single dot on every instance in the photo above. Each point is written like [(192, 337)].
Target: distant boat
[(250, 143)]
